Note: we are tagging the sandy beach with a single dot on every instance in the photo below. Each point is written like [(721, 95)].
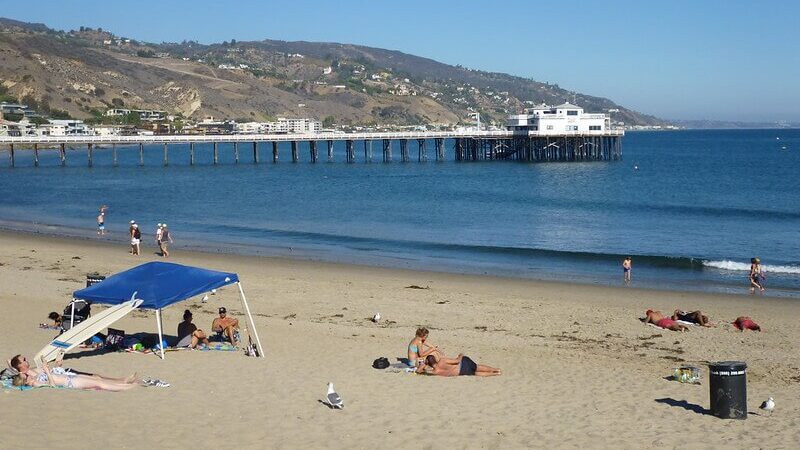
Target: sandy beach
[(580, 369)]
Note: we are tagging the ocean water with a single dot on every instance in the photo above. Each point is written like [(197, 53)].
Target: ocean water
[(690, 207)]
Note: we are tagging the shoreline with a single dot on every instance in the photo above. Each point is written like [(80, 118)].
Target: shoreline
[(308, 254)]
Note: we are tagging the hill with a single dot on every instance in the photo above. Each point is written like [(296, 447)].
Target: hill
[(84, 72)]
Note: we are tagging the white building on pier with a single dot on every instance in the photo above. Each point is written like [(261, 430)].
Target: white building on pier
[(558, 120)]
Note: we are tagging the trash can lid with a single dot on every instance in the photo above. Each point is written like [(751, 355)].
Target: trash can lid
[(728, 365)]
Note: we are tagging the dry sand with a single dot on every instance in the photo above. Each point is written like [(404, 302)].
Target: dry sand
[(580, 369)]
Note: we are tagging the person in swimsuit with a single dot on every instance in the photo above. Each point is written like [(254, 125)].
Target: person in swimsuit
[(756, 274), (746, 323), (661, 321), (226, 326), (627, 265), (419, 350), (692, 317), (164, 240), (188, 333), (59, 377), (462, 365), (101, 221)]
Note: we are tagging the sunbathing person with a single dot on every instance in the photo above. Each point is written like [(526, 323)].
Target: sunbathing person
[(659, 320), (226, 326), (692, 317), (418, 349), (462, 365), (188, 333), (745, 323), (58, 377)]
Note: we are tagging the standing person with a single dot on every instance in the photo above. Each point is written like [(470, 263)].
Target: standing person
[(166, 238), (158, 234), (130, 234), (136, 239), (101, 220), (756, 274), (627, 265)]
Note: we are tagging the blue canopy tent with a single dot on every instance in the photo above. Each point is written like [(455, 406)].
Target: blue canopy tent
[(161, 284)]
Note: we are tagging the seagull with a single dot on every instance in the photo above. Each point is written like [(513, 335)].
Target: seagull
[(213, 292), (205, 298), (332, 399), (376, 318), (768, 405)]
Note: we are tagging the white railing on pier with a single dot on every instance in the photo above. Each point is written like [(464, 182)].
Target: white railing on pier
[(229, 138)]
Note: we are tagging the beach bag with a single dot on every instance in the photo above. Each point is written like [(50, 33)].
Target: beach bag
[(114, 339), (380, 363)]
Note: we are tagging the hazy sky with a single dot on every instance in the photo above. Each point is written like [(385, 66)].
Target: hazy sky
[(675, 59)]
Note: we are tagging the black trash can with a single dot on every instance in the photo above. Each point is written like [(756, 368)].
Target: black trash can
[(93, 278), (727, 381)]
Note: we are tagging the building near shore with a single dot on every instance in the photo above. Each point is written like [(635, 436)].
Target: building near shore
[(558, 120), (149, 115), (65, 127)]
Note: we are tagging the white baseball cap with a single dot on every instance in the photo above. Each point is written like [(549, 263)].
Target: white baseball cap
[(133, 221), (135, 226), (159, 225), (164, 225)]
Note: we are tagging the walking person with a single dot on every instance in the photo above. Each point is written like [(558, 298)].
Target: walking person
[(101, 221), (130, 234), (164, 240), (627, 266), (756, 275), (136, 239)]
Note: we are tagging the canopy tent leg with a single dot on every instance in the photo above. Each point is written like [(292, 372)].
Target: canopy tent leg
[(72, 316), (250, 316), (160, 332)]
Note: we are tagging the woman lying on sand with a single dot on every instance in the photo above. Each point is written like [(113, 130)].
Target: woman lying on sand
[(659, 320), (462, 365), (58, 377), (745, 323), (692, 317), (418, 350)]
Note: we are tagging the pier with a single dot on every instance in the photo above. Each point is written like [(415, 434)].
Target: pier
[(527, 146)]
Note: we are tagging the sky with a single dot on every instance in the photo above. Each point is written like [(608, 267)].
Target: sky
[(719, 60)]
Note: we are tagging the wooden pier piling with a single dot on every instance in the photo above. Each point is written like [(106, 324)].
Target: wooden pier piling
[(62, 154), (295, 153), (141, 154), (11, 155), (35, 155), (330, 150), (351, 157), (404, 150), (367, 150), (312, 148), (387, 150), (114, 154), (274, 151), (422, 154), (166, 155), (255, 152), (216, 154), (191, 153), (438, 143), (236, 153), (89, 154)]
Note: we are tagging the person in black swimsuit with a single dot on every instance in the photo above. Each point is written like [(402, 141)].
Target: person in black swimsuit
[(692, 317), (462, 365)]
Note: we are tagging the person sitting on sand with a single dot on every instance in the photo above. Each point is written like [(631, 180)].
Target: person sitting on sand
[(188, 333), (57, 321), (58, 377), (692, 317), (461, 365), (746, 323), (226, 326), (419, 350), (659, 320)]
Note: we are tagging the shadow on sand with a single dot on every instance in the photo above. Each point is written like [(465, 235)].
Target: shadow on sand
[(685, 405)]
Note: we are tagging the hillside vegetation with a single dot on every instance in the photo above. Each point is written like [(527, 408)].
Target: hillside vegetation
[(81, 73)]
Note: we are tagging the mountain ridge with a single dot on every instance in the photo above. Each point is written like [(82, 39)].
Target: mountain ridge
[(84, 72)]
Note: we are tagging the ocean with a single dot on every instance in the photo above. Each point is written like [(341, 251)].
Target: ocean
[(690, 207)]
